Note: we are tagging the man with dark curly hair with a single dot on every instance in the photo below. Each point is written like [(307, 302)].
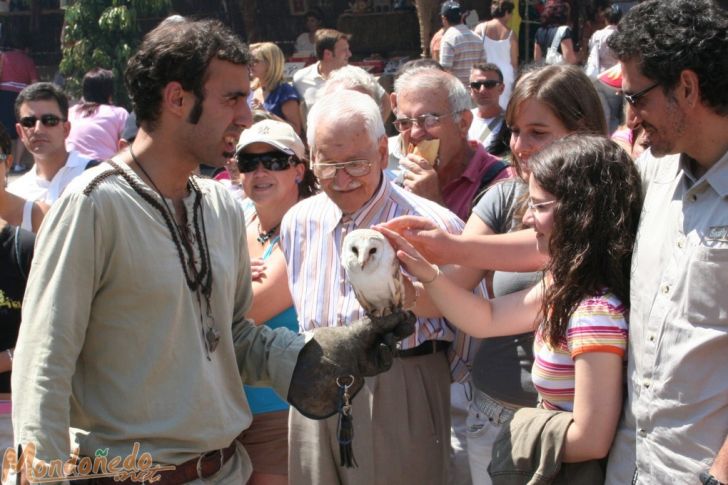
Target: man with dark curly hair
[(674, 65), (136, 342)]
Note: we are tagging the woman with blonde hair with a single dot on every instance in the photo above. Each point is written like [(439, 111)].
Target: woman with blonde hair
[(272, 93)]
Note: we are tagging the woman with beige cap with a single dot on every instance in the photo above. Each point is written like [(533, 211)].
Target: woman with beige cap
[(275, 175)]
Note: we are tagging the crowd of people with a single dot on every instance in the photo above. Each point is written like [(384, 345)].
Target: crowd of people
[(562, 230)]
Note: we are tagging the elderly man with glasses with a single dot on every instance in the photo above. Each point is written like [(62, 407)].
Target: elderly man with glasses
[(431, 104), (402, 417), (42, 113)]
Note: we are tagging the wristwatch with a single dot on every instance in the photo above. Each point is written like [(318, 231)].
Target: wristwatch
[(707, 479)]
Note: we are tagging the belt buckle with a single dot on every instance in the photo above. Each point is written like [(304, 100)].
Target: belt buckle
[(198, 465)]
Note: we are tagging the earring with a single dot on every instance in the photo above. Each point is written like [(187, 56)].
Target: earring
[(298, 180)]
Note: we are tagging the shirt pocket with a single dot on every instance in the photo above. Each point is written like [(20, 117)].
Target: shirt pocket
[(707, 284)]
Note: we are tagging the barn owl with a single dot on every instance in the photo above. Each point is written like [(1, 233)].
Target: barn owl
[(373, 270)]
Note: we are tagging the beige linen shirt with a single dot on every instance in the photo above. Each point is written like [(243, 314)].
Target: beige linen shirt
[(676, 415), (111, 343)]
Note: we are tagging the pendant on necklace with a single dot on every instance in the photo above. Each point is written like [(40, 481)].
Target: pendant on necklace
[(263, 237), (212, 337)]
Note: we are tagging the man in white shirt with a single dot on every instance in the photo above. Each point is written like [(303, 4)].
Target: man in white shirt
[(674, 428), (332, 52), (42, 113), (486, 86)]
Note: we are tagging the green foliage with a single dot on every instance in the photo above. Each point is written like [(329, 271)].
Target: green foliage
[(103, 33)]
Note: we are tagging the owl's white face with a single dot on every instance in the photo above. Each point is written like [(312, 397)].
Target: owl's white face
[(364, 250), (373, 271)]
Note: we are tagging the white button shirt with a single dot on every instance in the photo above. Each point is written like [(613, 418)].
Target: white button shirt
[(676, 415)]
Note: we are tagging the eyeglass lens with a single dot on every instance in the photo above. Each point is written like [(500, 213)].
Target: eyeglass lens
[(355, 168), (47, 120), (425, 121), (277, 162), (634, 98), (488, 83)]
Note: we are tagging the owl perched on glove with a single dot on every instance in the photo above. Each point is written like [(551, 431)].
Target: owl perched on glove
[(374, 272)]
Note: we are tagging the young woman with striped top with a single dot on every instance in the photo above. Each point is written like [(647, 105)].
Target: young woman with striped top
[(584, 205)]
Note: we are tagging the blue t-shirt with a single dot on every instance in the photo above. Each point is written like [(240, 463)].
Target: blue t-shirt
[(275, 100), (265, 399)]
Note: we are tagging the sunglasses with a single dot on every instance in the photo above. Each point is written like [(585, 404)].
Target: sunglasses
[(488, 83), (47, 120), (634, 98), (277, 162)]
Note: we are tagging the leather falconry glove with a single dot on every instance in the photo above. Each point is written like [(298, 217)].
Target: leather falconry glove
[(365, 348)]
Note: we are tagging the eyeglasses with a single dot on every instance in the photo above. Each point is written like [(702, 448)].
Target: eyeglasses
[(277, 162), (539, 208), (47, 120), (634, 98), (355, 168), (426, 121), (488, 83)]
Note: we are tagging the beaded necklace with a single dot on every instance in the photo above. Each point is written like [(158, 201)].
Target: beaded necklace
[(199, 280)]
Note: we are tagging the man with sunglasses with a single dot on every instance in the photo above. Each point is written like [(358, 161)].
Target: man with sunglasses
[(42, 114), (402, 418), (675, 422), (432, 104), (486, 86)]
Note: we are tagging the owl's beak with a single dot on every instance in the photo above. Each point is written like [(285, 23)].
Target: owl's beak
[(363, 261)]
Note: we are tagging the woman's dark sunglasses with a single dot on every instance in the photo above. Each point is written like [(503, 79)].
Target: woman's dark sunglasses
[(47, 120), (248, 162)]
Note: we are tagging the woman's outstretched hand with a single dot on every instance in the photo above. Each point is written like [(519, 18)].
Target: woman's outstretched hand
[(415, 264), (423, 235)]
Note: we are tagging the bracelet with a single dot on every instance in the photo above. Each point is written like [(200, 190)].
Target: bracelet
[(437, 273), (10, 354)]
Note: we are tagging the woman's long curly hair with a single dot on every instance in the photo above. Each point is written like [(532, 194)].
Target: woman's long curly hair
[(598, 203)]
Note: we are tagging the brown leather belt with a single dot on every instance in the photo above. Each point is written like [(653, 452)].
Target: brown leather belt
[(425, 348), (204, 466)]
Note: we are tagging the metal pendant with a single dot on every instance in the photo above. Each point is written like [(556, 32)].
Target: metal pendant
[(212, 338)]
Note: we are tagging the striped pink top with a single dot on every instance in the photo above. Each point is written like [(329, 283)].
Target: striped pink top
[(597, 325), (312, 232)]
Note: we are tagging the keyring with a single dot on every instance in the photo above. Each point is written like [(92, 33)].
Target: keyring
[(345, 386)]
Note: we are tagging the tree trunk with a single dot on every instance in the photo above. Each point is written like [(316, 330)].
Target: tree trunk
[(426, 9)]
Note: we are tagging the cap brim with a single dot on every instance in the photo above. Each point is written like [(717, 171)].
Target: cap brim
[(261, 139)]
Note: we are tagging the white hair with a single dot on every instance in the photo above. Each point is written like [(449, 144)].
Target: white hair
[(345, 107), (354, 78), (421, 78)]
